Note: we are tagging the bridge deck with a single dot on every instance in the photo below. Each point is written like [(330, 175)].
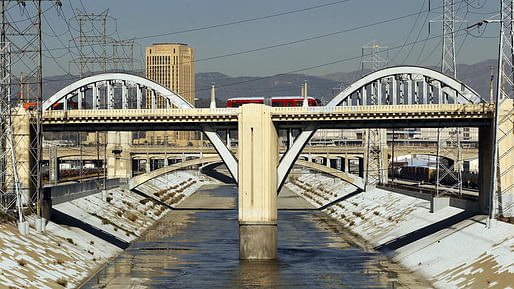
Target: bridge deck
[(426, 115)]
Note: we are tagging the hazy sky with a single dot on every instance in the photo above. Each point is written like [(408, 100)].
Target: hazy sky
[(339, 30)]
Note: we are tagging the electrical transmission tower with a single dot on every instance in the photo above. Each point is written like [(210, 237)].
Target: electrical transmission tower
[(9, 182), (373, 50), (449, 174), (22, 56), (376, 139), (92, 40), (448, 62), (96, 47), (118, 58)]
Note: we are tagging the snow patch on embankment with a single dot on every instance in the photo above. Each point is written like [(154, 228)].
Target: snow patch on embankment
[(66, 256), (450, 248)]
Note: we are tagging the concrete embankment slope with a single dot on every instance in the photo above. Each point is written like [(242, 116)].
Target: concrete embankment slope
[(66, 255), (451, 248)]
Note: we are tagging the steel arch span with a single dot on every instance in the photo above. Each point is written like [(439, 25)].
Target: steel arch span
[(112, 82), (406, 85), (399, 85)]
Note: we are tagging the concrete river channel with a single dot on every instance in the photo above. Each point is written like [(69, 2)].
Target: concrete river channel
[(197, 246)]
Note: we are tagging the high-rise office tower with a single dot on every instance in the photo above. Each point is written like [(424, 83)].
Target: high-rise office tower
[(172, 65)]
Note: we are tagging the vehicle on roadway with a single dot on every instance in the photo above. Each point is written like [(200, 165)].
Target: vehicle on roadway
[(276, 101)]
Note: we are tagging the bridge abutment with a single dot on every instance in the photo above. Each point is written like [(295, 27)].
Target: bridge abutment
[(503, 202), (258, 161)]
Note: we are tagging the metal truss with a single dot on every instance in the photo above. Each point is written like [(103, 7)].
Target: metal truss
[(376, 169), (9, 182), (449, 172), (25, 59)]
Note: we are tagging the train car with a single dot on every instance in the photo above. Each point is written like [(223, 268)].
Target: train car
[(56, 106), (60, 105), (276, 101)]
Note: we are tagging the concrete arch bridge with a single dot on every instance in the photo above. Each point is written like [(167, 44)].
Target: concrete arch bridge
[(388, 98)]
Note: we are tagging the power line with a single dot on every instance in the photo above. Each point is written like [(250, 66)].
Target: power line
[(243, 20)]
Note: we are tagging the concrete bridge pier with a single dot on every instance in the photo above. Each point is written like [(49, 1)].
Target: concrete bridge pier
[(119, 164), (22, 138), (53, 164), (147, 165), (258, 161)]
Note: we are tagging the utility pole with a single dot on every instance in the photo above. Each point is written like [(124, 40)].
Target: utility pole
[(491, 84)]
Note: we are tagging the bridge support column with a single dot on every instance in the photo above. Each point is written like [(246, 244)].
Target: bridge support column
[(53, 165), (22, 135), (258, 161), (148, 167), (118, 155)]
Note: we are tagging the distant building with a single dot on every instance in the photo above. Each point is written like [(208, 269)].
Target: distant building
[(172, 65)]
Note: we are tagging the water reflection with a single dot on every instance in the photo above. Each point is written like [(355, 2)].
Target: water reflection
[(189, 249), (256, 274)]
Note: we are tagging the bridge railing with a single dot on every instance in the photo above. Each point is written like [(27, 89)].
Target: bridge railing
[(411, 108)]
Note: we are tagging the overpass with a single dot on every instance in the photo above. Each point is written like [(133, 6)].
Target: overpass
[(389, 98)]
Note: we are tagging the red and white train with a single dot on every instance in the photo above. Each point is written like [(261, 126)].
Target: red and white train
[(276, 101)]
